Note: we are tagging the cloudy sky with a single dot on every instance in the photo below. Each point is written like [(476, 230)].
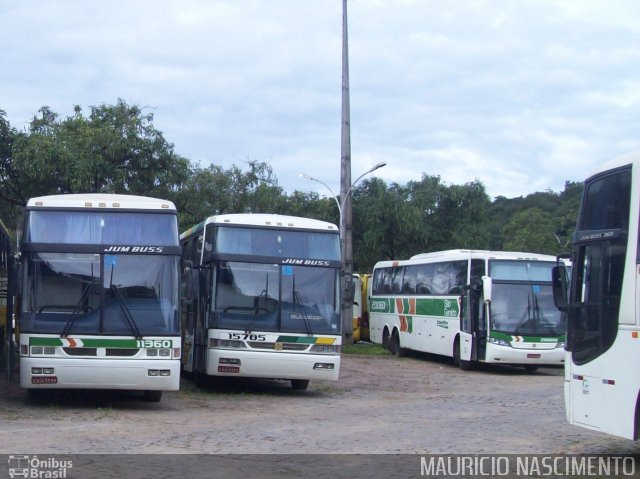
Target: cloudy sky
[(521, 95)]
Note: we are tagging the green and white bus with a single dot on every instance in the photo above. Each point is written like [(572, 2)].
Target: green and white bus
[(602, 383), (474, 306), (99, 305), (263, 298)]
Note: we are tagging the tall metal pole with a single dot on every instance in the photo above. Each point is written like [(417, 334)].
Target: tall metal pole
[(345, 190)]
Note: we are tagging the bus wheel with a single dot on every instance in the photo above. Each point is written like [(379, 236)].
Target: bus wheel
[(152, 396), (456, 352), (299, 384), (394, 345), (385, 339), (530, 368)]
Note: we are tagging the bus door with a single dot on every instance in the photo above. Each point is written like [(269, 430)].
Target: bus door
[(473, 332)]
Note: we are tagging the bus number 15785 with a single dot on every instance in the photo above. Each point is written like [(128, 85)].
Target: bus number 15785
[(248, 336)]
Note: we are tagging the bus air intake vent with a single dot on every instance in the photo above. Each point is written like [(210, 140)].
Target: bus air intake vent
[(121, 351), (81, 351)]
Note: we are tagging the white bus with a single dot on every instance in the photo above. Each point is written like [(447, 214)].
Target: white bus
[(99, 306), (266, 298), (474, 306), (602, 383)]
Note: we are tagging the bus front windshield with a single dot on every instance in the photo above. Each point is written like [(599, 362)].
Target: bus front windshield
[(273, 297), (70, 293), (522, 299)]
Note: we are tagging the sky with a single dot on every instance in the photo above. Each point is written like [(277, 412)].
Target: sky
[(520, 95)]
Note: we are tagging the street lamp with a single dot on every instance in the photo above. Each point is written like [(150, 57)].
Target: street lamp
[(340, 203)]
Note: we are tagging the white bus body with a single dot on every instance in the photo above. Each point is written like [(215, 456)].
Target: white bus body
[(266, 298), (99, 306), (602, 384), (472, 305)]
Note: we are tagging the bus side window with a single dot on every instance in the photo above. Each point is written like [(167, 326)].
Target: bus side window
[(396, 286), (377, 285), (441, 278), (424, 278), (410, 280), (388, 278), (458, 277)]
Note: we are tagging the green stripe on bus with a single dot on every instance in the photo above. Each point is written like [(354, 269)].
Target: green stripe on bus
[(109, 343), (87, 343), (296, 339), (525, 338), (45, 341), (443, 307)]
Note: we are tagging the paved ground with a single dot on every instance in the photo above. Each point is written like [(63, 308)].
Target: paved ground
[(414, 405)]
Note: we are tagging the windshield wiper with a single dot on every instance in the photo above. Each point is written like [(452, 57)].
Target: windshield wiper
[(75, 314), (526, 316), (125, 310), (297, 301)]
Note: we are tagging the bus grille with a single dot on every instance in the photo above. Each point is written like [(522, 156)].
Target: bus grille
[(81, 351), (121, 352), (272, 346)]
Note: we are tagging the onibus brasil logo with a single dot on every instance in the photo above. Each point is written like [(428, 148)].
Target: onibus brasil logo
[(34, 467)]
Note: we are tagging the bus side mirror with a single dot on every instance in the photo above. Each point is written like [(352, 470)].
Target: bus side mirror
[(559, 285), (187, 281), (487, 286)]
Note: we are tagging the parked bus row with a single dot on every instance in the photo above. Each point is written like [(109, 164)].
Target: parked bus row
[(98, 303)]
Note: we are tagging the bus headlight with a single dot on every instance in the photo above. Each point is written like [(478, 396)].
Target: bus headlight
[(499, 342), (226, 343), (325, 348)]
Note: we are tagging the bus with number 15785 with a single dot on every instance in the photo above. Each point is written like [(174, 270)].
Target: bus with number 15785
[(262, 298)]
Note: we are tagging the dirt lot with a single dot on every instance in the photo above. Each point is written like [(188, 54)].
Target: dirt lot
[(414, 405)]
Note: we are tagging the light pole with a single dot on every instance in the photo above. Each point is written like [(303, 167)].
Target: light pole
[(347, 252), (340, 204)]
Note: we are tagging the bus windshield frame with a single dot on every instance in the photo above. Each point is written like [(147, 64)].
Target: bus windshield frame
[(522, 299)]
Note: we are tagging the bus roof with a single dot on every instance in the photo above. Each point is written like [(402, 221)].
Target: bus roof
[(101, 200), (462, 254), (263, 219), (622, 160)]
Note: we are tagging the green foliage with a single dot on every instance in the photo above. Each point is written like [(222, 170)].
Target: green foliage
[(368, 349), (116, 148)]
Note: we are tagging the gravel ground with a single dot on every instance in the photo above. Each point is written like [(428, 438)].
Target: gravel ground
[(382, 405)]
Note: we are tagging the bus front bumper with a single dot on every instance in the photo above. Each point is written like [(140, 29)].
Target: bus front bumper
[(272, 365), (134, 374), (508, 355)]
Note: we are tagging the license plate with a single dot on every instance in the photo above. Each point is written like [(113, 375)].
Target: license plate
[(44, 380), (228, 369)]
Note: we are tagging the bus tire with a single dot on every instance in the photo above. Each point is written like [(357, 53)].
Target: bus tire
[(466, 365), (456, 352), (152, 396), (299, 384), (394, 345), (385, 338)]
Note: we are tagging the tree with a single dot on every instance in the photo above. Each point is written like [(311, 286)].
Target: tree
[(531, 230), (214, 190), (115, 149)]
